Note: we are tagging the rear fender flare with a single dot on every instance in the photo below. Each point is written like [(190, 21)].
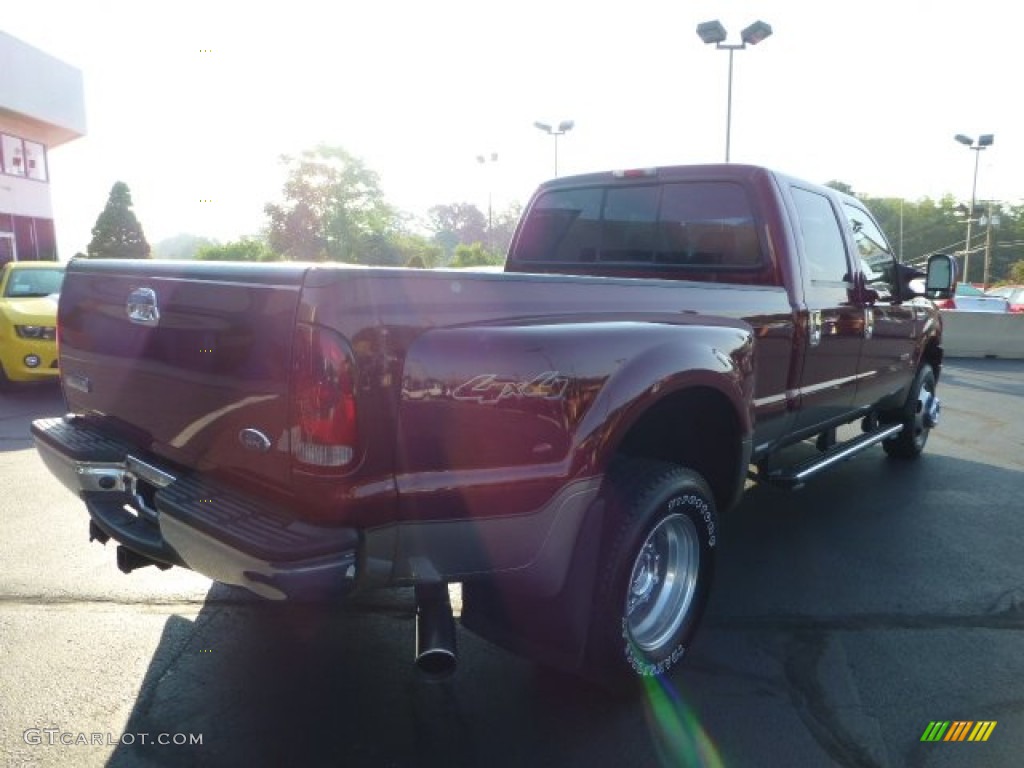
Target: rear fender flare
[(675, 359)]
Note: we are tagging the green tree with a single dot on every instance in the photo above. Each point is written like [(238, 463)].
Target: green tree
[(475, 255), (457, 224), (504, 227), (1016, 273), (246, 249), (841, 186), (118, 234), (922, 227), (333, 209), (417, 251)]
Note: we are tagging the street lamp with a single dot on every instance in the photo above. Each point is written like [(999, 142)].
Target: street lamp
[(483, 160), (984, 140), (712, 32), (563, 127)]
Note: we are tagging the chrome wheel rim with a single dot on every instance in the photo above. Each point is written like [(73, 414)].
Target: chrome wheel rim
[(923, 414), (662, 583)]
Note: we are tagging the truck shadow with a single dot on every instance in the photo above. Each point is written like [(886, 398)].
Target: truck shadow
[(20, 405), (309, 684), (306, 684)]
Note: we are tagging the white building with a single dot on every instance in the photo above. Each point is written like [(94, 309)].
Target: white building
[(42, 106)]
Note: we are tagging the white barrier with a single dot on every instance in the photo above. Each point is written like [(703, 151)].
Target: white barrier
[(983, 334)]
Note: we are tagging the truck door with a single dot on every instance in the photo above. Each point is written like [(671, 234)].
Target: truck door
[(887, 357), (833, 323)]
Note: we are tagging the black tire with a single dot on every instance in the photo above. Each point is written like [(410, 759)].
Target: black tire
[(656, 569), (917, 416)]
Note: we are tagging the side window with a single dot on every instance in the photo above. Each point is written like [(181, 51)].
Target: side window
[(13, 155), (563, 225), (876, 259), (35, 160), (824, 250)]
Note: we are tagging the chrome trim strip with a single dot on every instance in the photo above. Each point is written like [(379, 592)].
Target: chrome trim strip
[(835, 383), (794, 393), (771, 399)]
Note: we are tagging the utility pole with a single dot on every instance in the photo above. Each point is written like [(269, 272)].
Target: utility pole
[(988, 242)]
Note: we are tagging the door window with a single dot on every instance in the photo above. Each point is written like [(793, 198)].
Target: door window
[(824, 250), (876, 259)]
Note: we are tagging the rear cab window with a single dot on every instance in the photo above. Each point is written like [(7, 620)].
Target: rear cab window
[(699, 225)]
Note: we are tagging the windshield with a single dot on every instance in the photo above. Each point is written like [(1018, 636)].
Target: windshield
[(26, 283)]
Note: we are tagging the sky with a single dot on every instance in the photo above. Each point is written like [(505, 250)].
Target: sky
[(197, 101)]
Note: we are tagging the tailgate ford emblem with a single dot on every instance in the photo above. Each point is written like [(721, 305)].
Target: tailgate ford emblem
[(142, 308), (254, 440)]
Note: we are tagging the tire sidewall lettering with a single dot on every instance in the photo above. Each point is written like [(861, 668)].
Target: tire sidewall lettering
[(646, 668), (688, 503)]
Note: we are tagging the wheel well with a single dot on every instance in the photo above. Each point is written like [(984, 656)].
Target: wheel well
[(696, 428)]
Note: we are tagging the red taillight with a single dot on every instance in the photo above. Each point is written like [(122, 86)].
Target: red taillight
[(945, 304), (324, 429)]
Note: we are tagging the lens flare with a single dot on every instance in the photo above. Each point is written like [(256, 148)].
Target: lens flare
[(678, 735)]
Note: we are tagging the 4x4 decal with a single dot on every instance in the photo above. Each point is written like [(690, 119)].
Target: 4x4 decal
[(490, 388)]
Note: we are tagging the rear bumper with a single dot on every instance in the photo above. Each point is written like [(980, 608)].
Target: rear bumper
[(173, 517)]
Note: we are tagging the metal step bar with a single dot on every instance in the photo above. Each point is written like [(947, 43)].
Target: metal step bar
[(795, 476)]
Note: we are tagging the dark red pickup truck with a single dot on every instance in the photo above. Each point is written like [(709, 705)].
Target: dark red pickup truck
[(559, 438)]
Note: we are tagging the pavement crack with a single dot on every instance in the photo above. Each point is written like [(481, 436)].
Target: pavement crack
[(802, 667)]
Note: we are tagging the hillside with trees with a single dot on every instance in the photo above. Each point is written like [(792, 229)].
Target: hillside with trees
[(917, 229), (332, 208)]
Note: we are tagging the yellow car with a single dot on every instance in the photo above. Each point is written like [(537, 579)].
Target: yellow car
[(28, 320)]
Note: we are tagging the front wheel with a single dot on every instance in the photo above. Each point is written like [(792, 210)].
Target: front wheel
[(657, 568), (919, 415)]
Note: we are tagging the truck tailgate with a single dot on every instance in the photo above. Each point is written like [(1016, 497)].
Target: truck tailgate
[(188, 357)]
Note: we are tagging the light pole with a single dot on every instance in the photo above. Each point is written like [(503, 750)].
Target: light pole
[(484, 160), (713, 32), (563, 127), (984, 140)]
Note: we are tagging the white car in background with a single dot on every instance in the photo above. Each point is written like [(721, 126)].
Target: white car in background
[(967, 298), (1012, 293)]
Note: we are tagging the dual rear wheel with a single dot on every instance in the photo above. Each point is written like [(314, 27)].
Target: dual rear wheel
[(657, 564)]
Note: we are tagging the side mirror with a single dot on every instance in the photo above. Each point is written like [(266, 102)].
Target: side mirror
[(909, 282), (940, 277)]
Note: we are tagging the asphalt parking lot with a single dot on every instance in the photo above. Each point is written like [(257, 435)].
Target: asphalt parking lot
[(845, 619)]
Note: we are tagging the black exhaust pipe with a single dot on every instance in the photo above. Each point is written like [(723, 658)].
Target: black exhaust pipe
[(129, 560), (435, 631)]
